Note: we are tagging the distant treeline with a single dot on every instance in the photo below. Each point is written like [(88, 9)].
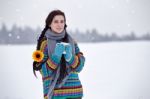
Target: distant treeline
[(27, 35)]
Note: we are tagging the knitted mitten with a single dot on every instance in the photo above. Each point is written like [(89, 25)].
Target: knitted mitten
[(59, 49), (68, 54)]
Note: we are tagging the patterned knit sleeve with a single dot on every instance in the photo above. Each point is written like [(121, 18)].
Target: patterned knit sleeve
[(77, 61), (48, 68), (51, 61)]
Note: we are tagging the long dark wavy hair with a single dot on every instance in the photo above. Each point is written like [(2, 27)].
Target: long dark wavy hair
[(36, 65)]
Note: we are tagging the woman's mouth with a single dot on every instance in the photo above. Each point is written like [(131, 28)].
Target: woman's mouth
[(59, 28)]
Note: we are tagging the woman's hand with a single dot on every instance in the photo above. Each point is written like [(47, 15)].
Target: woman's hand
[(59, 49), (68, 50)]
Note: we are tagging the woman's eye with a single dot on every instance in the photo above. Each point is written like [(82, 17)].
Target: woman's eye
[(56, 21), (62, 21)]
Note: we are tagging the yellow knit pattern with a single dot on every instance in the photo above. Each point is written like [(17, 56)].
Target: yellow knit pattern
[(43, 44), (51, 64), (76, 62), (60, 91)]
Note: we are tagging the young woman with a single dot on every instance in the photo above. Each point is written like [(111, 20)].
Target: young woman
[(62, 60)]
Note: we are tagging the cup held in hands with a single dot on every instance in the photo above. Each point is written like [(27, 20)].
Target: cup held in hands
[(64, 43)]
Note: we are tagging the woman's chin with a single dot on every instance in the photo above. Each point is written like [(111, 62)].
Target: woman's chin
[(59, 31)]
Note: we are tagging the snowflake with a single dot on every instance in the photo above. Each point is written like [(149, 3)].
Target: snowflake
[(80, 6), (21, 18), (132, 11), (129, 25), (128, 1), (118, 26), (112, 6), (9, 34), (18, 10), (35, 6), (1, 18), (18, 37)]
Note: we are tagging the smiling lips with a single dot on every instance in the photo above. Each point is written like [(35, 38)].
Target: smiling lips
[(59, 28)]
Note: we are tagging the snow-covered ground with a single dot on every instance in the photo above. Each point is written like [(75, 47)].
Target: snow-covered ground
[(116, 70)]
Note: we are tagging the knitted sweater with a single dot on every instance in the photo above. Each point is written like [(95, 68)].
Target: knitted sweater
[(72, 88)]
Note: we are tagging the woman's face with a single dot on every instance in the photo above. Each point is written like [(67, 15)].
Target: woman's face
[(57, 24)]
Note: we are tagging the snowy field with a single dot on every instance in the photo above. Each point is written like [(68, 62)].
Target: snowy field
[(116, 70)]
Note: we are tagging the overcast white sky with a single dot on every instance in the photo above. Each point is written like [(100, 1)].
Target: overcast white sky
[(121, 16)]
